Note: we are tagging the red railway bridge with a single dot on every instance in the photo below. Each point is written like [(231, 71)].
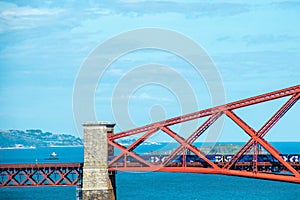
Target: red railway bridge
[(186, 157)]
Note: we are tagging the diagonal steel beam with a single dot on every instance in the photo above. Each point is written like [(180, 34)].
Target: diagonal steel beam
[(37, 174), (262, 142), (278, 115), (62, 176), (193, 137), (124, 149), (191, 147), (45, 177), (134, 145), (210, 111), (10, 177), (28, 176), (264, 129)]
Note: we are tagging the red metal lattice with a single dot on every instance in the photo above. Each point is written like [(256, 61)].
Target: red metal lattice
[(257, 169), (70, 174), (59, 174)]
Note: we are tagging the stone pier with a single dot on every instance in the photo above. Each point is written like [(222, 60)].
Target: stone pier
[(97, 183)]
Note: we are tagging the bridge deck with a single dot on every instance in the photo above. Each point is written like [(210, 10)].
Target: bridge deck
[(283, 169), (70, 174), (55, 174)]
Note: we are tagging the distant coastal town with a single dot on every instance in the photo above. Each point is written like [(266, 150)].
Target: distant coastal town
[(33, 138), (36, 138)]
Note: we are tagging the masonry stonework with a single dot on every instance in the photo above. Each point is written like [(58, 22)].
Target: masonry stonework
[(96, 183)]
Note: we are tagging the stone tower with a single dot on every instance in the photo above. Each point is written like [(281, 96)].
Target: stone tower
[(96, 182)]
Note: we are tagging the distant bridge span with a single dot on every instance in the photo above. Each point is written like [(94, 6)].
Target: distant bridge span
[(179, 160)]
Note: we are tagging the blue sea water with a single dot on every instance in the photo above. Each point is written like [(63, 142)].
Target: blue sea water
[(155, 185)]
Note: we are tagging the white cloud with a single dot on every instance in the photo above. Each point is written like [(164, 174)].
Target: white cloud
[(99, 11), (140, 97), (19, 12), (145, 96), (17, 18)]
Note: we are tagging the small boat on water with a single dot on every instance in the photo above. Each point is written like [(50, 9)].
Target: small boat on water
[(52, 156)]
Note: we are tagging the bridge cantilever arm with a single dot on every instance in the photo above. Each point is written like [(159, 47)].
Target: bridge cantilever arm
[(265, 128), (259, 140), (184, 143), (188, 142), (124, 149), (207, 112), (134, 145)]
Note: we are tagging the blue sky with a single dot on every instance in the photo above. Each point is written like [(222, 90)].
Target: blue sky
[(254, 45)]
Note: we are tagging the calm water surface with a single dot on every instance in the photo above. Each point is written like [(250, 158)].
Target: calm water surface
[(150, 186)]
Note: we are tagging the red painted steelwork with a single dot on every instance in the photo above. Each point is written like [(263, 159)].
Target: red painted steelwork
[(58, 174), (207, 112), (232, 167), (69, 174), (265, 128)]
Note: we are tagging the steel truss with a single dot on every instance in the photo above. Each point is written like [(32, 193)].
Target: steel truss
[(255, 168), (59, 174)]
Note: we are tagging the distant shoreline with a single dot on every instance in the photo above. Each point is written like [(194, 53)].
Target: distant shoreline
[(33, 147), (203, 144), (36, 138)]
